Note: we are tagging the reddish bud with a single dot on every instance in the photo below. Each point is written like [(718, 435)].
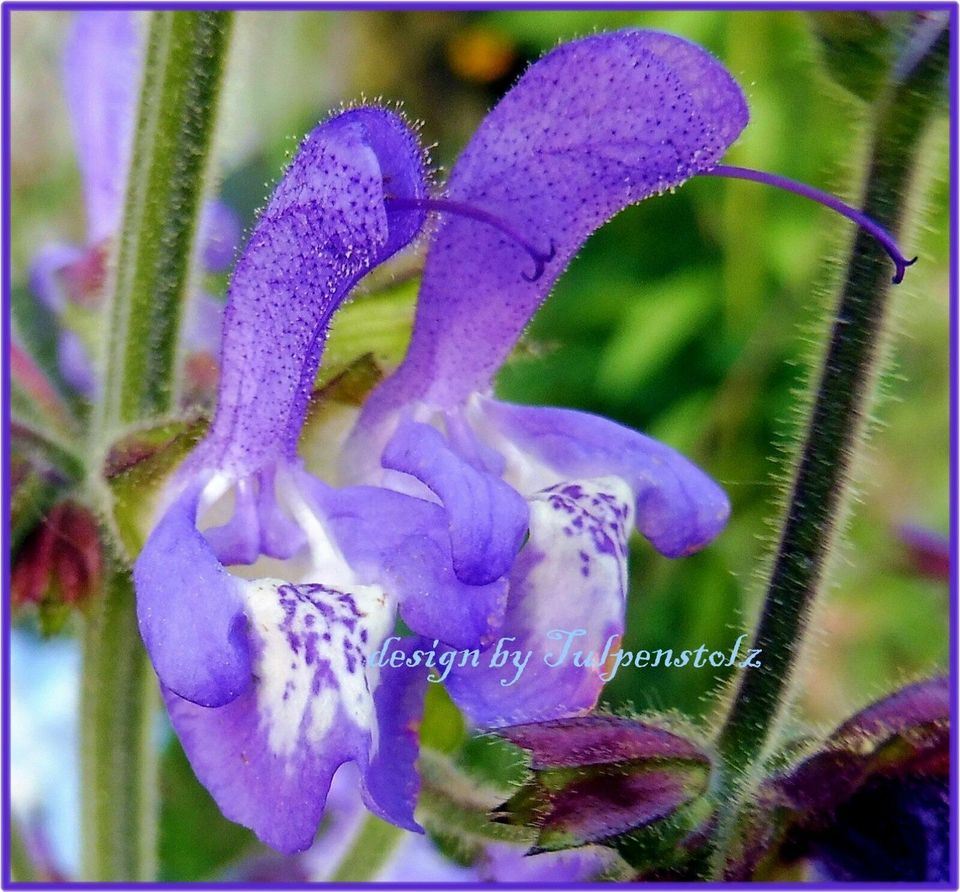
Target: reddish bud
[(61, 560)]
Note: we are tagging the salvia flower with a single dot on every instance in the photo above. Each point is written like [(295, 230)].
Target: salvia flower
[(102, 62), (546, 496), (266, 679), (472, 519), (872, 803)]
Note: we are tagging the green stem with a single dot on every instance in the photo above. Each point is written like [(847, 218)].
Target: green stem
[(370, 851), (168, 176), (167, 182), (834, 433), (118, 755)]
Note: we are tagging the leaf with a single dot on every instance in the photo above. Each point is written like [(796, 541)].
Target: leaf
[(653, 330)]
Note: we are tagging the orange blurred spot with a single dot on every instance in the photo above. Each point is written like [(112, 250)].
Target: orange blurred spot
[(480, 55), (201, 373)]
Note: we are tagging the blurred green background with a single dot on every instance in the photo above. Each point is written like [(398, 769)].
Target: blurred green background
[(694, 317)]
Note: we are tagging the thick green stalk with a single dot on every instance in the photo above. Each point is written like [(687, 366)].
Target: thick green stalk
[(178, 104), (165, 191), (835, 430), (118, 753)]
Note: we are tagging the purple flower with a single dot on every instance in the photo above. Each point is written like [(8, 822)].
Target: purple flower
[(547, 497), (267, 680), (485, 521), (594, 126), (102, 61)]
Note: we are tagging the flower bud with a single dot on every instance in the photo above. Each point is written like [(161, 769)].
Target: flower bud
[(871, 804), (603, 779), (61, 561)]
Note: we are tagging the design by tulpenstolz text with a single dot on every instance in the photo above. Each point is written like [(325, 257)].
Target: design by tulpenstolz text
[(563, 650)]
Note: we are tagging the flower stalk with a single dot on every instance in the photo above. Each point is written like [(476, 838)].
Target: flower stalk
[(118, 751), (186, 56), (167, 181), (834, 433)]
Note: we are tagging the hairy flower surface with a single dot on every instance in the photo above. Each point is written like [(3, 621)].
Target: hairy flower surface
[(266, 679)]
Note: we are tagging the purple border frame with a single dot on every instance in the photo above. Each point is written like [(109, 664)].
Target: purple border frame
[(954, 320)]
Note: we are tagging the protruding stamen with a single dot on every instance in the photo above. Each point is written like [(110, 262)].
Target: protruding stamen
[(446, 206), (825, 198)]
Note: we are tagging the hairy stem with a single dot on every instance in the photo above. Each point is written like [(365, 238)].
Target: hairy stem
[(118, 759), (175, 124), (167, 181), (834, 432)]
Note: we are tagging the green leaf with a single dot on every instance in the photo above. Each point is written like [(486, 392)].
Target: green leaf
[(168, 178), (654, 329)]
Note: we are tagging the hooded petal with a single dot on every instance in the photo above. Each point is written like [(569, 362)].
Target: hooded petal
[(678, 507), (190, 611), (565, 609), (326, 225), (268, 757), (102, 63), (487, 518), (594, 126)]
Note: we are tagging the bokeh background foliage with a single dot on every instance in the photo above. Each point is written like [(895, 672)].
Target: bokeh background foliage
[(693, 317)]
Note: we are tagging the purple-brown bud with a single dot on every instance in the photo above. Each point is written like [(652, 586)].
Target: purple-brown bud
[(599, 778), (871, 804)]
